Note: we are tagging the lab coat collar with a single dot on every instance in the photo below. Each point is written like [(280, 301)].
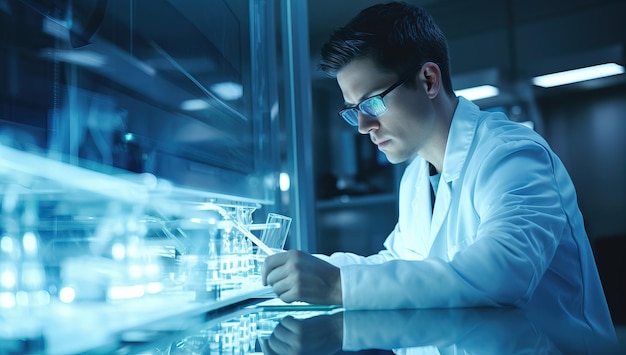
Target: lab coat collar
[(460, 138), (462, 130)]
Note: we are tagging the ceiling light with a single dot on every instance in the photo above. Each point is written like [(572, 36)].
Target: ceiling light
[(577, 75), (284, 182), (478, 92), (228, 90), (194, 105)]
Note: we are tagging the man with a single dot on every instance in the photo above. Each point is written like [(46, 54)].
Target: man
[(487, 212)]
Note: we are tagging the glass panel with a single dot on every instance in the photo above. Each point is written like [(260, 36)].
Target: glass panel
[(166, 87), (137, 138)]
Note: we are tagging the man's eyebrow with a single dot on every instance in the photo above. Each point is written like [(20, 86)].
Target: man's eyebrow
[(364, 97)]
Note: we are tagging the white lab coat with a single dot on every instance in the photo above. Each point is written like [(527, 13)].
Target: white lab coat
[(506, 230)]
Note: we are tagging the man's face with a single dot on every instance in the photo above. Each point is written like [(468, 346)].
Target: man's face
[(402, 131)]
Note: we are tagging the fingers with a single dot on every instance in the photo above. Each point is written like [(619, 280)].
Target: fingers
[(278, 266), (299, 276), (270, 264), (277, 275), (284, 334), (291, 324), (285, 284), (283, 272), (288, 294), (285, 338)]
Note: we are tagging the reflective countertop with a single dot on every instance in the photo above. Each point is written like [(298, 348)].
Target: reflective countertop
[(441, 331), (271, 328), (260, 326)]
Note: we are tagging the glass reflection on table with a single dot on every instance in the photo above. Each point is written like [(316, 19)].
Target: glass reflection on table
[(313, 330)]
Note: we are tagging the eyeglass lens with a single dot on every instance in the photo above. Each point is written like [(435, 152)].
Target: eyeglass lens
[(373, 107)]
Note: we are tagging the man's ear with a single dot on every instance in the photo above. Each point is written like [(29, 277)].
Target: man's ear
[(430, 76)]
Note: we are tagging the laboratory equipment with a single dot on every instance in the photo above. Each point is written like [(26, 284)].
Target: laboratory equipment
[(138, 163)]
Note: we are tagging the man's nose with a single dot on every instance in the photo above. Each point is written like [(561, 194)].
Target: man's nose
[(367, 124)]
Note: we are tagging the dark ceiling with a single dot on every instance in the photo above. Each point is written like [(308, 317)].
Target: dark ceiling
[(504, 41)]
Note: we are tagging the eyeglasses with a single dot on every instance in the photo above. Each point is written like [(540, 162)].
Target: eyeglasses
[(373, 106)]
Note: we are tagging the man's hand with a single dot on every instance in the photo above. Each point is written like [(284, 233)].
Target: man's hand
[(298, 276)]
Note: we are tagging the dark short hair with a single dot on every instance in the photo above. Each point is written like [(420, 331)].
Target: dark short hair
[(399, 38)]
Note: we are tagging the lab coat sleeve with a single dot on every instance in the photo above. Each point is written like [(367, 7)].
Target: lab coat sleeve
[(515, 195)]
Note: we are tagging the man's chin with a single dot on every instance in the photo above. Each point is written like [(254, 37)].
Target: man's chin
[(397, 159), (394, 159)]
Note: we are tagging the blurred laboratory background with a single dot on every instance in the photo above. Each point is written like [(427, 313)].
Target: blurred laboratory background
[(140, 139)]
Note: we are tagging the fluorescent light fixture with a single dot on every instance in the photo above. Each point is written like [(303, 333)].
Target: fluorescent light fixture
[(228, 90), (577, 75), (478, 92), (194, 105), (284, 182)]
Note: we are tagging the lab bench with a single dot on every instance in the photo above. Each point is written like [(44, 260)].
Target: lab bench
[(268, 326)]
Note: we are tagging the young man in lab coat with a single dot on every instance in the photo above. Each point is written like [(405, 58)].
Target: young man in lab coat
[(504, 228)]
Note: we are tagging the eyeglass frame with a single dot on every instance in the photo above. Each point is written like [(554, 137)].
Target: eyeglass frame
[(357, 108)]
